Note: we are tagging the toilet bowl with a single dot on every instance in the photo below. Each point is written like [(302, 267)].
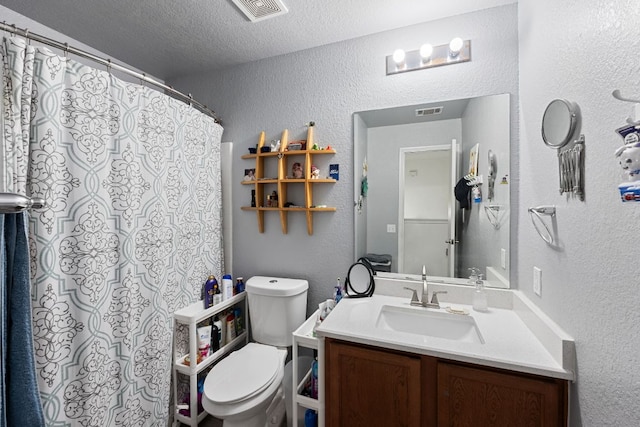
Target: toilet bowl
[(241, 388)]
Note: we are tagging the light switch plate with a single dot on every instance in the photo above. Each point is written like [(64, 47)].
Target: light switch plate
[(391, 228), (503, 258), (537, 281)]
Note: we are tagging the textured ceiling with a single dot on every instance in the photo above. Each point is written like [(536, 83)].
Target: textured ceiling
[(171, 38)]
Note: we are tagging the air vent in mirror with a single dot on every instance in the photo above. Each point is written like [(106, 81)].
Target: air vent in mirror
[(428, 111)]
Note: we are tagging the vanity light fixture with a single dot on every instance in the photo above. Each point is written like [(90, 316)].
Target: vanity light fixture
[(429, 56), (455, 46), (426, 50), (398, 57)]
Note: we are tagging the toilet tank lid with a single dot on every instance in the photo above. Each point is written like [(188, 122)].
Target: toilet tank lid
[(276, 286)]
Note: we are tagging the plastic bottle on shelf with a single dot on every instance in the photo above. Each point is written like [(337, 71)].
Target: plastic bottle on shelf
[(239, 285), (217, 295), (215, 336), (237, 312), (227, 287), (314, 379), (310, 418), (231, 327), (209, 291), (218, 323)]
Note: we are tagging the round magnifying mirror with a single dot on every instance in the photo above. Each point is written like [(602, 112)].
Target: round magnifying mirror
[(558, 123), (359, 278)]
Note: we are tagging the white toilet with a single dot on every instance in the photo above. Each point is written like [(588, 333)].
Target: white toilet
[(242, 386)]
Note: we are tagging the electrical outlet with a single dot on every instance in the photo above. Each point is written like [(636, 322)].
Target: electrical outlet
[(503, 258), (537, 281), (391, 228)]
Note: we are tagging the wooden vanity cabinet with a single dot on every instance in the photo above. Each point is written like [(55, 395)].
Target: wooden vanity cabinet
[(471, 395), (370, 386)]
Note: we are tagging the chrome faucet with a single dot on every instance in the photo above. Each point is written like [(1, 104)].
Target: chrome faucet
[(424, 301), (425, 290)]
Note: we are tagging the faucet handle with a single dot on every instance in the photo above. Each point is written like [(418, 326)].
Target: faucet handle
[(414, 297), (434, 296)]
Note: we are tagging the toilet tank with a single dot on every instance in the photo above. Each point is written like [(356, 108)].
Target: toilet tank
[(277, 306)]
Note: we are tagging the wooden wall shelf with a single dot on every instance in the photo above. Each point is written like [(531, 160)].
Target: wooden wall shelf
[(282, 181)]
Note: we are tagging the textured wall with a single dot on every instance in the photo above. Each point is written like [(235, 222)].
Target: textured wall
[(582, 51), (327, 85)]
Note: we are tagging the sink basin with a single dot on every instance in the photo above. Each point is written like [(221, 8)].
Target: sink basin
[(427, 323)]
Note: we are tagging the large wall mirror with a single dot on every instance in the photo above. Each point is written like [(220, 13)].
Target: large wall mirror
[(407, 161)]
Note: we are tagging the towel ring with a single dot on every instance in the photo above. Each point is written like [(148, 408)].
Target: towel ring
[(538, 212)]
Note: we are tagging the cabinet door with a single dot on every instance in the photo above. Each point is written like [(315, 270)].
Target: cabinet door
[(370, 387), (470, 396)]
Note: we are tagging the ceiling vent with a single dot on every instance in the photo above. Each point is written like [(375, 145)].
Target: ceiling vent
[(431, 111), (257, 10)]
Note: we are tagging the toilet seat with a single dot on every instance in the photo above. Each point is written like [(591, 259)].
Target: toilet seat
[(243, 374)]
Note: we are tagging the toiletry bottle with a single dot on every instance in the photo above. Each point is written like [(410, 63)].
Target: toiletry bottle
[(480, 295), (215, 336), (227, 287), (221, 334), (314, 379), (231, 327), (337, 293), (239, 285), (217, 295), (310, 418), (237, 312), (477, 194), (209, 291)]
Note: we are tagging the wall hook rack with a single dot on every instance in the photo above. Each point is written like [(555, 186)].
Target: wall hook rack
[(473, 180)]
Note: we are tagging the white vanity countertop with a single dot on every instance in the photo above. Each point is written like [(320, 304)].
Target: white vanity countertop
[(509, 342)]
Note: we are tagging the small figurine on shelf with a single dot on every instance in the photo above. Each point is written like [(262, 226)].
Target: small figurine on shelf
[(315, 172), (297, 170)]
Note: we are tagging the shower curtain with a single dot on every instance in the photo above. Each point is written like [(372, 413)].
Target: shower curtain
[(130, 231)]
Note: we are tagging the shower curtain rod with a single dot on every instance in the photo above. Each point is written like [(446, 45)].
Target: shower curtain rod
[(70, 49), (14, 203)]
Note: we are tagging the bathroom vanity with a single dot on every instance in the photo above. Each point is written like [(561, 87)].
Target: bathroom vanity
[(368, 385), (387, 363)]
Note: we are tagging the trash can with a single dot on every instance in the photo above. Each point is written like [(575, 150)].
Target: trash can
[(304, 364)]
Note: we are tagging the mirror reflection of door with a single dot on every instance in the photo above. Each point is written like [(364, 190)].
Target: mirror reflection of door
[(426, 215)]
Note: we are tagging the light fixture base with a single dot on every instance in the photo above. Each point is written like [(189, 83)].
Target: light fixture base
[(440, 56)]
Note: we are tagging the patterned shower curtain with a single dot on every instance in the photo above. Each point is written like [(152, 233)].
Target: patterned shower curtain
[(130, 231)]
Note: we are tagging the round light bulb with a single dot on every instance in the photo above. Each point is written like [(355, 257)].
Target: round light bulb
[(455, 46), (425, 51), (398, 56)]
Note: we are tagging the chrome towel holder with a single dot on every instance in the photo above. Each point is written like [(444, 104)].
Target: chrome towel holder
[(538, 212), (14, 203)]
